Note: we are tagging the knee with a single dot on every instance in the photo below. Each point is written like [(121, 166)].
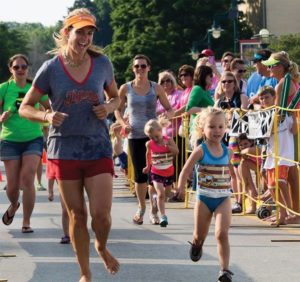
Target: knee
[(78, 218), (161, 196), (221, 235), (101, 219)]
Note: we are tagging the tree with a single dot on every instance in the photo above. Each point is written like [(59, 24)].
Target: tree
[(12, 42), (164, 30), (289, 43)]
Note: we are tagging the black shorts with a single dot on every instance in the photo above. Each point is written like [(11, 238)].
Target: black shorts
[(165, 180)]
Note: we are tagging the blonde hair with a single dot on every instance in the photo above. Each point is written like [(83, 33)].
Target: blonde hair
[(167, 74), (61, 38), (200, 120), (155, 124), (288, 65)]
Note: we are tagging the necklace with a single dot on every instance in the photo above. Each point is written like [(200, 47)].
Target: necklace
[(70, 62)]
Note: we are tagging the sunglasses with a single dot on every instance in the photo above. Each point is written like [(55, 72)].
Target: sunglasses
[(242, 71), (227, 81), (168, 80), (226, 61), (140, 66), (17, 67), (270, 67), (184, 74)]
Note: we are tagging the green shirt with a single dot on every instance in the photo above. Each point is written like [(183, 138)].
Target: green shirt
[(16, 128), (198, 98)]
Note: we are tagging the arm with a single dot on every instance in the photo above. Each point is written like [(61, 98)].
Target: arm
[(254, 150), (164, 101), (112, 104), (28, 111), (244, 102), (294, 128), (148, 159), (187, 169), (172, 147), (119, 111)]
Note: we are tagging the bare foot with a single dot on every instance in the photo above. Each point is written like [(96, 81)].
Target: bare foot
[(270, 218), (85, 278), (251, 211), (111, 263)]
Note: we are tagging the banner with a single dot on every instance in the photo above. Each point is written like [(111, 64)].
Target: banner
[(256, 124)]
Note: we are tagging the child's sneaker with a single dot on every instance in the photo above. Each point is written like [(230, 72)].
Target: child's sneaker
[(40, 187), (195, 251), (163, 221), (225, 276), (237, 208)]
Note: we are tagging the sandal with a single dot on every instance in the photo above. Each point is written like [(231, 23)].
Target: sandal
[(65, 240), (163, 221), (27, 229), (195, 251), (138, 218), (8, 219), (154, 219)]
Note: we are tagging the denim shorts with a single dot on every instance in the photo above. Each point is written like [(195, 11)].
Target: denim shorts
[(10, 150)]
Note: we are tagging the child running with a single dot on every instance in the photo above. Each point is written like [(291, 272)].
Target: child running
[(213, 167), (159, 157)]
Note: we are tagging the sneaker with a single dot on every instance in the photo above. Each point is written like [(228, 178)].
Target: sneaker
[(225, 276), (40, 187), (163, 221), (237, 208), (195, 251)]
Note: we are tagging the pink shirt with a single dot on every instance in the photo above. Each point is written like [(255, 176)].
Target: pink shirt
[(174, 100), (161, 159)]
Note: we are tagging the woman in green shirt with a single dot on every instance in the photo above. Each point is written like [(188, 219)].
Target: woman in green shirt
[(200, 96), (21, 142)]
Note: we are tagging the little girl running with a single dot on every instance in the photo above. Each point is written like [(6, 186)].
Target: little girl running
[(212, 160), (159, 156)]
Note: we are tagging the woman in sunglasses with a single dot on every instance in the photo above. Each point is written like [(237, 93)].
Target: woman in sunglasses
[(237, 67), (231, 98), (21, 143), (141, 95)]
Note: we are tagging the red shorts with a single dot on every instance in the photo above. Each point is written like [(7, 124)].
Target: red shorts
[(77, 169), (283, 172)]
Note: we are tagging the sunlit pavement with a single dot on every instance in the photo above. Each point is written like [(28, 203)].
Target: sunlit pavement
[(146, 253)]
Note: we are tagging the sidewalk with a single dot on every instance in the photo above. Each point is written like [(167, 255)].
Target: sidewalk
[(147, 252)]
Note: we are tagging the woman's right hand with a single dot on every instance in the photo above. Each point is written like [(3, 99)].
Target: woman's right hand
[(55, 118), (5, 115)]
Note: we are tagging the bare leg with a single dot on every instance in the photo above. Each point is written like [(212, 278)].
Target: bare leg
[(72, 194), (99, 191), (39, 172), (12, 169), (51, 189), (160, 190), (223, 220), (141, 191), (65, 217), (28, 171), (202, 219)]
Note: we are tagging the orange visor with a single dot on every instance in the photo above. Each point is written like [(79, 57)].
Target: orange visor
[(80, 21)]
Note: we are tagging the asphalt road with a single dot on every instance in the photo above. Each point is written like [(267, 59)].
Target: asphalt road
[(147, 253)]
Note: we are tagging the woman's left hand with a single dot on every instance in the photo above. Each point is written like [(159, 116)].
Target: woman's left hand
[(101, 111)]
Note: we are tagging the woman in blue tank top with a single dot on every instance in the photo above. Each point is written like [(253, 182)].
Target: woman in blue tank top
[(141, 95)]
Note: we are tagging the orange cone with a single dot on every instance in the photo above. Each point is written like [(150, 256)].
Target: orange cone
[(44, 157)]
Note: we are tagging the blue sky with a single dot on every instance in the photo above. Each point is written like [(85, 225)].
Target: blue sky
[(47, 12)]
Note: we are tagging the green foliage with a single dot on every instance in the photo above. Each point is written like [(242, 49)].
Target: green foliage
[(12, 42), (289, 43), (165, 31)]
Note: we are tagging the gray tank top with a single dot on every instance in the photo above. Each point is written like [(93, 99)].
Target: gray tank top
[(140, 110)]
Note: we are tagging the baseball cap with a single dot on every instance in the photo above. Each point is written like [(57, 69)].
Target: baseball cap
[(261, 55), (206, 53)]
